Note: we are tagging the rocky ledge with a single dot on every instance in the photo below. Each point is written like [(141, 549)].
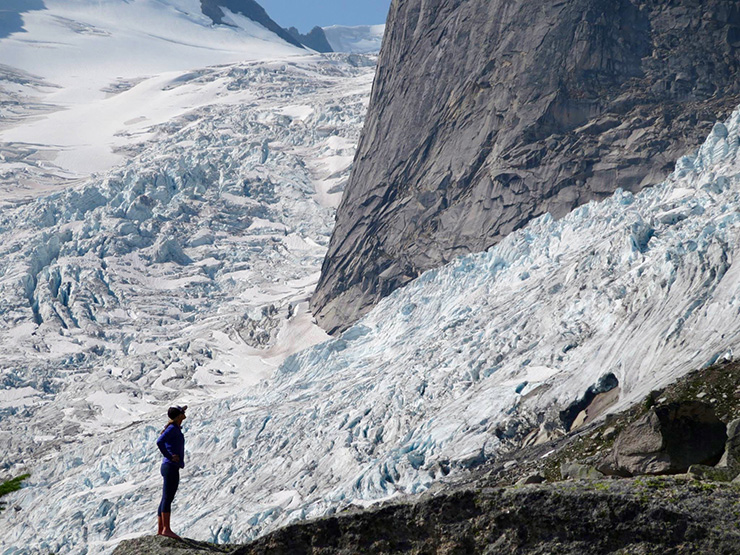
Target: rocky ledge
[(656, 515)]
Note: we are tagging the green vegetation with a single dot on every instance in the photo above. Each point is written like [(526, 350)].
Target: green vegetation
[(654, 483), (10, 486)]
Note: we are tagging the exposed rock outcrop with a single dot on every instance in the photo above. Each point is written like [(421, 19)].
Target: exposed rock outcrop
[(661, 516), (488, 113), (669, 439), (314, 39), (731, 457), (578, 471), (160, 545), (250, 9)]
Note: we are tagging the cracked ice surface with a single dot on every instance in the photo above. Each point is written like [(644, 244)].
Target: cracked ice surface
[(181, 276), (644, 286)]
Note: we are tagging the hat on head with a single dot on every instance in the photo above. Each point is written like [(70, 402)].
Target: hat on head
[(174, 412)]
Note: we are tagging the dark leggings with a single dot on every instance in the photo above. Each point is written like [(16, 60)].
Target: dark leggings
[(171, 475)]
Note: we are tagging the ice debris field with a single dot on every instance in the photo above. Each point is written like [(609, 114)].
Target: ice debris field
[(181, 274), (89, 80)]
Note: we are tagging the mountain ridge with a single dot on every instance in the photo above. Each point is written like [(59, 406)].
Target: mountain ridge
[(250, 9)]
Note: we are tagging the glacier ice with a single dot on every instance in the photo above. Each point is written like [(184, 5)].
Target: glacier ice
[(136, 288), (357, 39), (433, 381), (641, 286)]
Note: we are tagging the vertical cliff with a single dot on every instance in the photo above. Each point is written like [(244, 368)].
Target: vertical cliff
[(488, 113)]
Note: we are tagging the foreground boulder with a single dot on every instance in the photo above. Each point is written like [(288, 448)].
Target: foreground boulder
[(669, 439), (160, 545), (731, 457), (577, 471)]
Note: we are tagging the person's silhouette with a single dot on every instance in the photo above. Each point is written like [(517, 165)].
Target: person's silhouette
[(172, 445)]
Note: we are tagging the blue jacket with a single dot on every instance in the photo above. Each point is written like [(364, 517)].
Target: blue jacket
[(172, 442)]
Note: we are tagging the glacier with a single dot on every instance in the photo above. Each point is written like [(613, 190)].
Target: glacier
[(432, 382), (167, 191), (86, 80), (182, 274)]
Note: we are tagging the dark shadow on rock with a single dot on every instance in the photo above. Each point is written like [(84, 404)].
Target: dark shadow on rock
[(11, 20), (315, 39), (605, 384), (669, 439), (160, 545), (250, 9)]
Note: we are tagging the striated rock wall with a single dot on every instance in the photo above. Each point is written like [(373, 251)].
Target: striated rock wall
[(488, 113)]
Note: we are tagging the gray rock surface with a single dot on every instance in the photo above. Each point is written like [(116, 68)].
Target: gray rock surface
[(488, 113), (656, 516), (669, 439), (314, 39), (731, 456), (536, 478), (712, 473), (578, 471), (159, 545)]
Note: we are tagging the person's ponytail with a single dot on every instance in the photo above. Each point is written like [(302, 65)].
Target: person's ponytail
[(167, 426)]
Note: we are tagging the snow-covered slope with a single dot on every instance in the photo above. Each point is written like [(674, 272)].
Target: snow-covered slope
[(359, 39), (641, 286), (94, 71)]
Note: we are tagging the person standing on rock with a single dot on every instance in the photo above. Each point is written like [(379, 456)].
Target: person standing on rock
[(172, 445)]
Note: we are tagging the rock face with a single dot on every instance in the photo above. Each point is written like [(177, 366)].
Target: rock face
[(160, 545), (669, 439), (488, 113), (731, 457)]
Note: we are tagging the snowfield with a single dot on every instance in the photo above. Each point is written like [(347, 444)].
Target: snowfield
[(95, 73)]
